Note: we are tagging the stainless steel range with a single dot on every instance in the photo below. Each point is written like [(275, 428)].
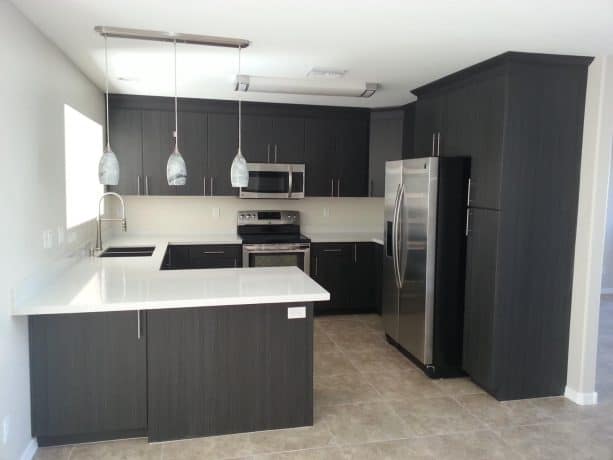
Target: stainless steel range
[(273, 239)]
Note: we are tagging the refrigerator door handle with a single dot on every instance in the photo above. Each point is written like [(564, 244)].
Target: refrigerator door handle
[(399, 236), (395, 236)]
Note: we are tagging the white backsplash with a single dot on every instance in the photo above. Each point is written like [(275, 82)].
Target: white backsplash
[(158, 215)]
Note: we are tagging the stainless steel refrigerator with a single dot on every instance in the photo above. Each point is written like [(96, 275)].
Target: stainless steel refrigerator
[(424, 260)]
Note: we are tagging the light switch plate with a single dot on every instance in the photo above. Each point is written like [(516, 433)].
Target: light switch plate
[(296, 312)]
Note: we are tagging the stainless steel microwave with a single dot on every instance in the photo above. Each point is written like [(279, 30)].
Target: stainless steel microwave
[(274, 180)]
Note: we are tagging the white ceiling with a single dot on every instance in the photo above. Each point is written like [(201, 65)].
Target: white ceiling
[(401, 44)]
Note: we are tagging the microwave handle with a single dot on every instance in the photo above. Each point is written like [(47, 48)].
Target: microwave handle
[(290, 182)]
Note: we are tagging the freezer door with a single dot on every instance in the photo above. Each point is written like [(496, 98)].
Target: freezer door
[(393, 182), (417, 257)]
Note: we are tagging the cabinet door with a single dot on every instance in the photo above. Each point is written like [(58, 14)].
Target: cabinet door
[(320, 153), (257, 138), (480, 296), (158, 144), (332, 268), (88, 375), (385, 144), (214, 256), (428, 121), (363, 286), (222, 144), (352, 158), (126, 142), (288, 137), (378, 277), (192, 145)]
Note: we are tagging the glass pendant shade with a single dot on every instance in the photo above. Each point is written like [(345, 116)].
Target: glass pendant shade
[(108, 168), (239, 174), (176, 171)]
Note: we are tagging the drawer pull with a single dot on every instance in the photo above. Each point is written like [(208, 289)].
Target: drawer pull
[(332, 250), (213, 252)]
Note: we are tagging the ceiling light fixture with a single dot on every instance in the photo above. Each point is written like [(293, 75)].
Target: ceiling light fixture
[(239, 174), (161, 36), (176, 170), (318, 87), (325, 72), (108, 167)]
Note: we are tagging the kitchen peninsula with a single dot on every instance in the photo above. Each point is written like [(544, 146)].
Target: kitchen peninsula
[(120, 348)]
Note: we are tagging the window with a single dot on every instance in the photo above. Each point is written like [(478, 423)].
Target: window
[(83, 144)]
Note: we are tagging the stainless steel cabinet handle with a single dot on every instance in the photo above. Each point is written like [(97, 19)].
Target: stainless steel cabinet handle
[(438, 144), (268, 153), (333, 250), (276, 149), (212, 184), (467, 229), (433, 142), (332, 184), (213, 252), (146, 185), (138, 184), (138, 333), (204, 186), (468, 196), (338, 187)]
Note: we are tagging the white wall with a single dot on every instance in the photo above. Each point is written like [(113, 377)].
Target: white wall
[(36, 80), (589, 248), (188, 215)]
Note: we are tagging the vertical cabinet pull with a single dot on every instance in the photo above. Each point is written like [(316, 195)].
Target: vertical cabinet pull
[(338, 187), (204, 186), (212, 185), (138, 184), (370, 188), (138, 329), (438, 144), (267, 153), (316, 265), (146, 185), (467, 229), (355, 253), (332, 184), (433, 143), (276, 149), (468, 195)]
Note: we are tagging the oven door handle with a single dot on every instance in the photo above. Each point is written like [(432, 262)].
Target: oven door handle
[(264, 251)]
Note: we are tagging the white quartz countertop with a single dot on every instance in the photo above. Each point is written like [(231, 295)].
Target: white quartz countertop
[(345, 237), (97, 284)]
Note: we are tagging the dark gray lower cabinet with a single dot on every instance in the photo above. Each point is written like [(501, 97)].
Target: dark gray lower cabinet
[(88, 376), (189, 256), (228, 369)]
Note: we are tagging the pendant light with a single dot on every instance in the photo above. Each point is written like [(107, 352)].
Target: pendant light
[(239, 174), (108, 167), (176, 171)]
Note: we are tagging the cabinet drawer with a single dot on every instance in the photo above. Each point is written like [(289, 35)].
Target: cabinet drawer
[(214, 256)]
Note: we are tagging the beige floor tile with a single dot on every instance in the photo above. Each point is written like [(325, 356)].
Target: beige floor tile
[(426, 417), (403, 449), (323, 343), (379, 360), (343, 389), (364, 422), (458, 386), (317, 436), (560, 441), (475, 445), (332, 453), (404, 385), (332, 363), (350, 341), (210, 448), (498, 414), (128, 449), (561, 409), (53, 453)]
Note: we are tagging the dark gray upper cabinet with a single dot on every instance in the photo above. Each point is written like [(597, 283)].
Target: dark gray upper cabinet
[(126, 142), (352, 158), (320, 153), (428, 123), (88, 376), (257, 138), (386, 133), (193, 147), (408, 135), (288, 140), (222, 145), (158, 143)]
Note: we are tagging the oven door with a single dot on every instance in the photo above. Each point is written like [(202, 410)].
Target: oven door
[(278, 255), (274, 180)]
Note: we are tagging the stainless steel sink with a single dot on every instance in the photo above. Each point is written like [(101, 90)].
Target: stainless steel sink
[(128, 251)]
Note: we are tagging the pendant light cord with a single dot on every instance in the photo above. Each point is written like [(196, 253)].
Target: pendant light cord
[(106, 85), (239, 101), (176, 116)]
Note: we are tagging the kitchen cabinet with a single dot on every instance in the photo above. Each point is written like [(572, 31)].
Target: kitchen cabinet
[(349, 272), (378, 276), (273, 139), (193, 147), (222, 145), (320, 154), (127, 143), (408, 132), (519, 117), (179, 256), (220, 370), (386, 135), (88, 376), (158, 143)]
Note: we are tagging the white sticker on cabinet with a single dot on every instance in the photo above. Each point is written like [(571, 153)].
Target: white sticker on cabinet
[(296, 312)]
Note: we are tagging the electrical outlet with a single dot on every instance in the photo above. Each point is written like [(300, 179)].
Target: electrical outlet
[(6, 424), (47, 239), (326, 212), (215, 212), (61, 236)]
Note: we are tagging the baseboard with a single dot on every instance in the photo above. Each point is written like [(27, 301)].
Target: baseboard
[(30, 450), (606, 291), (583, 399)]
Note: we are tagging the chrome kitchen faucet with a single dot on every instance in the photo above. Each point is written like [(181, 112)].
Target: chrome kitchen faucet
[(124, 223)]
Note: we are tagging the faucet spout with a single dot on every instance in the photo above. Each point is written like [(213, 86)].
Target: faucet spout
[(100, 219)]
